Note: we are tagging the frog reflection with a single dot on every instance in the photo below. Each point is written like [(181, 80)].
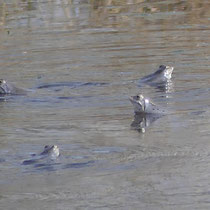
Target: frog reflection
[(142, 121)]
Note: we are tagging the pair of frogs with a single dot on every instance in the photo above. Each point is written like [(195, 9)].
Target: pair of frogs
[(141, 105)]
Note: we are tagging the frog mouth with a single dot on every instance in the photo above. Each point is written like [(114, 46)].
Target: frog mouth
[(137, 103), (133, 100)]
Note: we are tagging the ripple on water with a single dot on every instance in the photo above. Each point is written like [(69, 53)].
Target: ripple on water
[(89, 55)]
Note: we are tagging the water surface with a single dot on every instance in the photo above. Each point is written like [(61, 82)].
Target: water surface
[(105, 161)]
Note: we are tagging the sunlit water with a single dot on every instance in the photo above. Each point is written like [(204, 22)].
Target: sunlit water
[(98, 50)]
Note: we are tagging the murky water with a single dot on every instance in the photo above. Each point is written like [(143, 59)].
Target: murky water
[(80, 61)]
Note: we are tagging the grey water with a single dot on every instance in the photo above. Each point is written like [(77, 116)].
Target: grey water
[(80, 61)]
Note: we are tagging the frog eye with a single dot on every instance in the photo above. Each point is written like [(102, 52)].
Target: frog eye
[(162, 66), (2, 81)]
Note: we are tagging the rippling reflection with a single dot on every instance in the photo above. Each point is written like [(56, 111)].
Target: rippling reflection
[(164, 87), (167, 87), (143, 121)]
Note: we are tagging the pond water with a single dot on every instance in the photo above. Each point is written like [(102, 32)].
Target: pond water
[(80, 61)]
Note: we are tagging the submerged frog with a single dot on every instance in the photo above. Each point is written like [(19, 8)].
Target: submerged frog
[(162, 75), (8, 89), (51, 152), (144, 105)]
